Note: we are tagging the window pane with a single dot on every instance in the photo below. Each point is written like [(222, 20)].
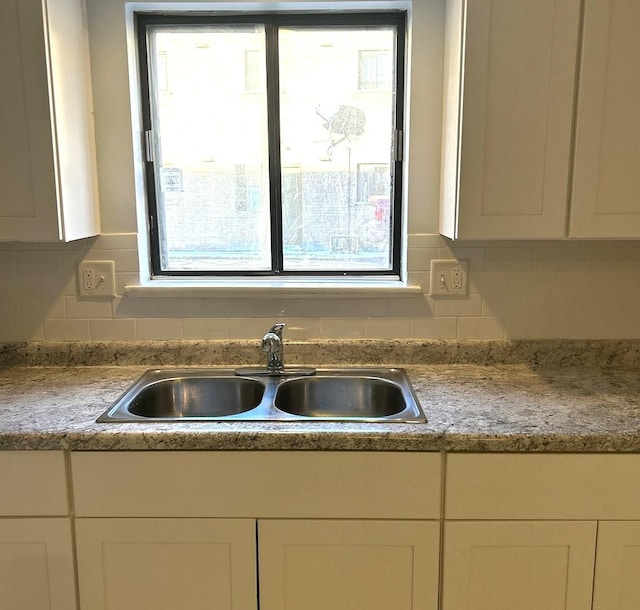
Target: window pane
[(208, 84), (337, 136)]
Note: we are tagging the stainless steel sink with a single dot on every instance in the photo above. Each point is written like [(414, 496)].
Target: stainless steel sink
[(345, 394), (203, 396)]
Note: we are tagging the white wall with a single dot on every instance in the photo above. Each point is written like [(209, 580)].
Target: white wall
[(518, 290)]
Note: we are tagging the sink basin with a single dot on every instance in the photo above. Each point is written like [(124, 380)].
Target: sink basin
[(364, 394), (333, 396), (180, 397)]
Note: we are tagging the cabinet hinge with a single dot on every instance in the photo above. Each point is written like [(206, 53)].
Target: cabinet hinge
[(397, 144), (149, 146)]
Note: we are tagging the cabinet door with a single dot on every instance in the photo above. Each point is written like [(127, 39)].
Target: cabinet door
[(508, 121), (164, 564), (606, 189), (36, 565), (528, 565), (27, 179), (48, 186), (617, 566), (348, 565)]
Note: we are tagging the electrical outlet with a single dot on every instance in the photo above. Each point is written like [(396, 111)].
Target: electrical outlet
[(97, 279), (449, 277)]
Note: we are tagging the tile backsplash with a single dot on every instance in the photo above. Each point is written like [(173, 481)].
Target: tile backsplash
[(518, 290)]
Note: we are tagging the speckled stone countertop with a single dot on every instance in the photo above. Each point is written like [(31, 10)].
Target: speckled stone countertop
[(488, 396)]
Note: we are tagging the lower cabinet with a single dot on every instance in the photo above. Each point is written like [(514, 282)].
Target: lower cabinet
[(617, 586), (36, 564), (346, 565), (36, 543), (200, 564), (318, 531), (528, 565), (164, 564), (247, 530), (542, 532)]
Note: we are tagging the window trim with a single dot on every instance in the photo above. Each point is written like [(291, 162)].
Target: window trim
[(397, 272)]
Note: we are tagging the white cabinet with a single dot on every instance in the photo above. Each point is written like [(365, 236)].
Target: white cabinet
[(520, 531), (36, 564), (529, 565), (163, 564), (377, 565), (36, 553), (606, 180), (48, 189), (617, 586), (510, 76), (336, 530)]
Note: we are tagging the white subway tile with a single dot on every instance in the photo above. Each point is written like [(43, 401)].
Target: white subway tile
[(342, 328), (59, 284), (23, 285), (126, 279), (41, 308), (302, 329), (88, 308), (426, 240), (7, 262), (205, 328), (480, 328), (616, 327), (250, 328), (16, 329), (112, 330), (434, 328), (528, 327), (419, 259), (448, 307), (125, 260), (38, 262), (158, 329), (117, 241), (387, 328), (66, 330), (574, 325)]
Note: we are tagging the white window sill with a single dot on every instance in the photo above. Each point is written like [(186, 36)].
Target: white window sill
[(269, 289)]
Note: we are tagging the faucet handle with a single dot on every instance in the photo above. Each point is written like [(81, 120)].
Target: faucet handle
[(277, 329)]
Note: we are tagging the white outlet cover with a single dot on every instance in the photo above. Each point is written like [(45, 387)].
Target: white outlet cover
[(442, 277), (104, 279)]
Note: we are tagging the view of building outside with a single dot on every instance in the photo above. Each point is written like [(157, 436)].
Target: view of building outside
[(336, 119)]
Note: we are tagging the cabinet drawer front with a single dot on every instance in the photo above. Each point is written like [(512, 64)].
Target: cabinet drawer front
[(362, 485), (33, 483), (542, 486)]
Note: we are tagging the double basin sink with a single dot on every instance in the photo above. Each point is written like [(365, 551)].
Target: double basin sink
[(345, 394)]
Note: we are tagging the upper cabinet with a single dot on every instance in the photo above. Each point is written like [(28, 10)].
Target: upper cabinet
[(511, 166), (511, 68), (48, 188), (606, 179)]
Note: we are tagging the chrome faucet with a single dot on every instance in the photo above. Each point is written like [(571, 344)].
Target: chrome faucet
[(272, 345)]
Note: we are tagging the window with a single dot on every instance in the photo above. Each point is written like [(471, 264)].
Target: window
[(374, 70), (264, 154)]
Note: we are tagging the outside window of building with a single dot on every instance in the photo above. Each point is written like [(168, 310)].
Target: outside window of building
[(373, 70), (267, 154)]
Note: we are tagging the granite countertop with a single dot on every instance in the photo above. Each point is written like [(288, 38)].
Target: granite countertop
[(514, 406)]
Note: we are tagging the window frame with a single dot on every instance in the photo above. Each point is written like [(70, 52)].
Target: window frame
[(397, 18)]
